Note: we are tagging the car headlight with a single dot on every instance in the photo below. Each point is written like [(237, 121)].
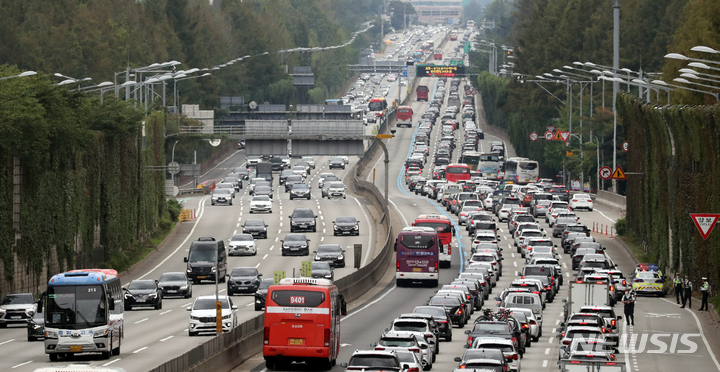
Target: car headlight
[(214, 269), (51, 334), (356, 227), (303, 246), (102, 333), (340, 257), (184, 287), (189, 269), (128, 295), (152, 295), (194, 318), (328, 276), (30, 312), (336, 228), (37, 326), (229, 316)]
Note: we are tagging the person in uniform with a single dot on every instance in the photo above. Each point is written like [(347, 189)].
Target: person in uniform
[(705, 291), (629, 300), (687, 286), (678, 284)]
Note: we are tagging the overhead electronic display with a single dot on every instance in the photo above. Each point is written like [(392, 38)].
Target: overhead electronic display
[(439, 71)]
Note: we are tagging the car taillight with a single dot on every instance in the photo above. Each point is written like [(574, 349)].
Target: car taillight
[(266, 336), (624, 283), (612, 288), (574, 200), (327, 337), (379, 348), (513, 357), (613, 322), (470, 340), (548, 288), (397, 266), (459, 311), (414, 369), (526, 326), (415, 350), (532, 321), (638, 280), (566, 342), (512, 339)]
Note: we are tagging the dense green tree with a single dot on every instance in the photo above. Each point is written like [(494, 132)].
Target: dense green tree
[(401, 13)]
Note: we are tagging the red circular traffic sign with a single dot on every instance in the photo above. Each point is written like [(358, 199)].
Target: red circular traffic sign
[(549, 135), (605, 173), (625, 146), (533, 136)]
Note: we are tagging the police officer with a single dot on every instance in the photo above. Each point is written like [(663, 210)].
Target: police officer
[(678, 289), (687, 286), (629, 300), (705, 290)]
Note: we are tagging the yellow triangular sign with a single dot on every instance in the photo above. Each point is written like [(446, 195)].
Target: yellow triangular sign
[(619, 174), (557, 136)]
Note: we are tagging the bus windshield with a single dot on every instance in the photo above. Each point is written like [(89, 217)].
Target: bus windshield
[(417, 241), (75, 307), (377, 105)]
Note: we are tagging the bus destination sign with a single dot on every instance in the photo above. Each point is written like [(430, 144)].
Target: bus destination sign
[(439, 71)]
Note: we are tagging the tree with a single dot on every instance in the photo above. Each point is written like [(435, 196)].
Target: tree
[(400, 11)]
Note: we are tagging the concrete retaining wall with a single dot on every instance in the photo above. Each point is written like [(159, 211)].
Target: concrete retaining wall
[(611, 200)]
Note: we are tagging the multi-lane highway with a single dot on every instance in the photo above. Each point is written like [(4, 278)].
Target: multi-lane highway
[(154, 336)]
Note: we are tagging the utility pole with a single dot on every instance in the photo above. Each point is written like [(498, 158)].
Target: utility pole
[(616, 85)]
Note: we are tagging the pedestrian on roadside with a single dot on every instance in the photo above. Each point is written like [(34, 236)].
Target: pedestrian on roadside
[(678, 283), (687, 286), (629, 300), (705, 291)]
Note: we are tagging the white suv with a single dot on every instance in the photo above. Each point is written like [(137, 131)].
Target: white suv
[(202, 315), (581, 201)]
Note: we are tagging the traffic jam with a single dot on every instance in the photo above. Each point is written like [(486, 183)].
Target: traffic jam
[(523, 247)]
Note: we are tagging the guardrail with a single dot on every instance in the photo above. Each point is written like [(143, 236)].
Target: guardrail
[(224, 352)]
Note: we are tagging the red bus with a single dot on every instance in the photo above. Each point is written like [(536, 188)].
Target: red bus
[(422, 92), (404, 116), (417, 256), (302, 322), (444, 227), (438, 54), (457, 172)]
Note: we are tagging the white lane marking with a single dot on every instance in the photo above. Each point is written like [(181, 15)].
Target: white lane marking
[(142, 320), (279, 231), (280, 224), (501, 230), (165, 312), (322, 217), (603, 214), (567, 275), (370, 304), (323, 231), (550, 340), (258, 265), (186, 305), (513, 255), (111, 362), (271, 247), (702, 334), (22, 364), (182, 245), (367, 255), (250, 304), (547, 351), (222, 290), (400, 213), (545, 363), (238, 219), (139, 350), (277, 238), (322, 237), (5, 342), (166, 338), (234, 232), (265, 256), (515, 263), (564, 265), (238, 224)]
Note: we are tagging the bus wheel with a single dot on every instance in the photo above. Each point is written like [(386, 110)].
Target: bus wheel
[(53, 357), (270, 364), (106, 354)]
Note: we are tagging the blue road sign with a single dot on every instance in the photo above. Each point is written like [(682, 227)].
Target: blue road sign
[(404, 71)]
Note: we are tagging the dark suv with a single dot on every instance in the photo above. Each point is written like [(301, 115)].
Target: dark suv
[(441, 317), (143, 293), (302, 219)]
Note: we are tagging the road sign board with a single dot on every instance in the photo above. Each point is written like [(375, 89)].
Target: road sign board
[(549, 135), (533, 136), (550, 128), (404, 71), (173, 167), (625, 146), (618, 174), (565, 136), (218, 317), (278, 275), (384, 135), (605, 173), (705, 222)]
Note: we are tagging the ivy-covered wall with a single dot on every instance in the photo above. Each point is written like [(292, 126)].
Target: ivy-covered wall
[(84, 197), (676, 150)]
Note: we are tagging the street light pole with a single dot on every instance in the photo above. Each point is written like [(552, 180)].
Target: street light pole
[(173, 160), (616, 85)]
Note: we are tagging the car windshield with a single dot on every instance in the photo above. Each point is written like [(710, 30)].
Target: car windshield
[(320, 266), (142, 284), (338, 185), (202, 255), (406, 357), (295, 238), (300, 186), (18, 299), (350, 220), (411, 326), (329, 248), (244, 271), (225, 186), (648, 275), (222, 192), (397, 342), (242, 238), (303, 213), (209, 304), (374, 361), (502, 347), (173, 277), (431, 310), (255, 223), (261, 198), (491, 327)]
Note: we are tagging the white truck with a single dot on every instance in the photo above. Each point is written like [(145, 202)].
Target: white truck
[(586, 294)]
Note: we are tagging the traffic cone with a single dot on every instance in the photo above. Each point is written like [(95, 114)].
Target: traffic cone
[(593, 226), (611, 232)]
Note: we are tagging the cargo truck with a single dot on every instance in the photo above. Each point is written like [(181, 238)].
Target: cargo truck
[(586, 294), (264, 170)]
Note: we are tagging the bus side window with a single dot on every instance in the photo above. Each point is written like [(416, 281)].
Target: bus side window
[(343, 305), (395, 246)]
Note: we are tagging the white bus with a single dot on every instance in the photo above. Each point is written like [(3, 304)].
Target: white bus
[(521, 170)]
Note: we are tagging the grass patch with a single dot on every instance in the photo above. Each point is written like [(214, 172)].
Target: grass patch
[(121, 261), (636, 247)]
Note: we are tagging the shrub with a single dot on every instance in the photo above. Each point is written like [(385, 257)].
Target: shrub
[(174, 208), (621, 226)]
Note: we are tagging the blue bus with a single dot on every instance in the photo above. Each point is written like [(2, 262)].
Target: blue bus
[(83, 313)]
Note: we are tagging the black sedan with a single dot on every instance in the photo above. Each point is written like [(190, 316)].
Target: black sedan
[(337, 163), (175, 284), (143, 293), (300, 191), (295, 244), (243, 280), (257, 228), (322, 270), (262, 292), (332, 254), (346, 225), (36, 327)]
